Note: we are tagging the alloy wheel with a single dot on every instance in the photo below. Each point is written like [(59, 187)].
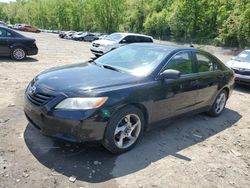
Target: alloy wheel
[(127, 131), (220, 102), (18, 53)]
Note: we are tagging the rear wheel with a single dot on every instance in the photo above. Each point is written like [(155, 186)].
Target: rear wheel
[(18, 53), (219, 104), (124, 130)]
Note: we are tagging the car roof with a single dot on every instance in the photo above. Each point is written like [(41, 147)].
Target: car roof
[(134, 34), (163, 47)]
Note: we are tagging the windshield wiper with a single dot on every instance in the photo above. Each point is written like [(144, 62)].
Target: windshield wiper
[(93, 62), (111, 68)]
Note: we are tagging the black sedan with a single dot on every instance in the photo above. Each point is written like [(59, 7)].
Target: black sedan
[(119, 95), (16, 45)]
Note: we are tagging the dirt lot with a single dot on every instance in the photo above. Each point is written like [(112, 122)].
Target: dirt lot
[(195, 152)]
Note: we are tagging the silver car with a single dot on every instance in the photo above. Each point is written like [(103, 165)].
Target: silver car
[(241, 67)]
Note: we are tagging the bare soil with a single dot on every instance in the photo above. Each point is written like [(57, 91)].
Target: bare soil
[(199, 151)]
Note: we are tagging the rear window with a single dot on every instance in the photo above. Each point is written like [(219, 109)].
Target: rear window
[(146, 39), (206, 64)]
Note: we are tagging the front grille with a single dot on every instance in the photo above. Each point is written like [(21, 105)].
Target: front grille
[(39, 98), (242, 71), (96, 45)]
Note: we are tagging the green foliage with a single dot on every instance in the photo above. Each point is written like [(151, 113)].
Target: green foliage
[(224, 21)]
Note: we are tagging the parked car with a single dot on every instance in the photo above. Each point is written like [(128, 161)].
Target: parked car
[(241, 66), (86, 37), (115, 40), (103, 36), (62, 34), (78, 35), (17, 25), (119, 95), (2, 23), (16, 45), (29, 28), (10, 26), (69, 34)]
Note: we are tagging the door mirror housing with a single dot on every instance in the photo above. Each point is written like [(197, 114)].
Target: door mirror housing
[(170, 74), (123, 41)]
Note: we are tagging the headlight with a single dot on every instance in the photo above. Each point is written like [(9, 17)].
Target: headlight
[(81, 103)]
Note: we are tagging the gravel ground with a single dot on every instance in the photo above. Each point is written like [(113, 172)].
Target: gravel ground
[(199, 151)]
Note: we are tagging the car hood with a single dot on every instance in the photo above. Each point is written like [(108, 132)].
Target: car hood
[(105, 42), (238, 64), (82, 77)]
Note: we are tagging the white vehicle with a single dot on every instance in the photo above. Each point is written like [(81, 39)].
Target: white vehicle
[(69, 35), (17, 25), (241, 67), (115, 40)]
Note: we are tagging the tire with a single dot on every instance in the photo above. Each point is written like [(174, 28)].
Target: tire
[(121, 128), (219, 104), (18, 53)]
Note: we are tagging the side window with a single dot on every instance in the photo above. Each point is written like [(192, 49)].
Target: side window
[(181, 62), (3, 33), (147, 39), (129, 39), (205, 64), (9, 34)]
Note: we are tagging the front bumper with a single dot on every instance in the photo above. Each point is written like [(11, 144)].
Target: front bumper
[(100, 50), (32, 51), (75, 126), (242, 79)]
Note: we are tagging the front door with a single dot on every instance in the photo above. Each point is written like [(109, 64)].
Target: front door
[(177, 96)]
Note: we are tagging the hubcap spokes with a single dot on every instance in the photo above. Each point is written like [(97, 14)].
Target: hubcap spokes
[(127, 131), (19, 54), (220, 103)]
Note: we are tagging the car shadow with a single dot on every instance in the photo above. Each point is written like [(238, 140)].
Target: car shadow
[(92, 163), (9, 60), (242, 88)]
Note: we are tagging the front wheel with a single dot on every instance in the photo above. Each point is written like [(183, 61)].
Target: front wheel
[(219, 104), (18, 53), (124, 130)]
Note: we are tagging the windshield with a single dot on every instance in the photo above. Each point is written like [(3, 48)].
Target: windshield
[(134, 59), (243, 56), (114, 37)]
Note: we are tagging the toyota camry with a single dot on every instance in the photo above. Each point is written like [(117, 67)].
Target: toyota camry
[(118, 96)]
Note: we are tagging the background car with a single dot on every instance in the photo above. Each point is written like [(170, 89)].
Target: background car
[(241, 66), (119, 95), (29, 28), (69, 35), (86, 37), (2, 23), (78, 35), (17, 25), (16, 45), (115, 40)]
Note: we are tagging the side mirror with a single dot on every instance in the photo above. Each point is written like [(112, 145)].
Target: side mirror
[(123, 41), (170, 74)]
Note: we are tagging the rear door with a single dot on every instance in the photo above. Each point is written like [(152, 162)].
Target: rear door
[(4, 42), (177, 96), (210, 76)]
